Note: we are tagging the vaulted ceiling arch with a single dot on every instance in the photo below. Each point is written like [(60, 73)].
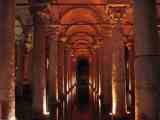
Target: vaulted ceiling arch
[(81, 35), (92, 4), (81, 26), (81, 1), (80, 29), (74, 15), (81, 44)]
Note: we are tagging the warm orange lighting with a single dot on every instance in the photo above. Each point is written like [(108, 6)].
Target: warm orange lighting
[(100, 105), (114, 106), (100, 89), (128, 112), (90, 79), (114, 96), (67, 92), (45, 112), (57, 90), (12, 118)]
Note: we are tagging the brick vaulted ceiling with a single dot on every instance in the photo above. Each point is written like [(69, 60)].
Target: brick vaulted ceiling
[(83, 23), (80, 22)]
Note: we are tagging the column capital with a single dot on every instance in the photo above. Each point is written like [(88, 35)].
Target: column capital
[(130, 46), (52, 32), (44, 13), (116, 12), (63, 39)]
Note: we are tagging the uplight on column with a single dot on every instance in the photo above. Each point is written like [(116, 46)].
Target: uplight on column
[(114, 97), (45, 112)]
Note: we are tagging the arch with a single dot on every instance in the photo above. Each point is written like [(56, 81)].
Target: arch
[(96, 27), (81, 43), (73, 37), (81, 28), (74, 15)]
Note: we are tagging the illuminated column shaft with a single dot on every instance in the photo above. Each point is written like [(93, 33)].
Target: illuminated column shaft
[(38, 66), (69, 71), (107, 76), (71, 80), (70, 84), (98, 78), (7, 59), (147, 57), (94, 69), (97, 70), (66, 54), (99, 67), (91, 73), (100, 64), (132, 77), (94, 74), (119, 82), (53, 76), (73, 76)]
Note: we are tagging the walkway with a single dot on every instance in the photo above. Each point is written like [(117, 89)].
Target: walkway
[(82, 113)]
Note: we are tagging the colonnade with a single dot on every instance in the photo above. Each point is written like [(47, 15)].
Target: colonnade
[(58, 78)]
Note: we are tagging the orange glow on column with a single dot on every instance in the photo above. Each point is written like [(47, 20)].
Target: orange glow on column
[(57, 90), (45, 112), (100, 89), (114, 96), (67, 91), (114, 106)]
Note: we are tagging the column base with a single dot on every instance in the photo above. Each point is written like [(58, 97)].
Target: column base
[(39, 116), (126, 117)]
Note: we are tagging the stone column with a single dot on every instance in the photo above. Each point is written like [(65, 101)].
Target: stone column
[(147, 61), (65, 83), (100, 83), (70, 78), (99, 62), (19, 66), (60, 76), (97, 69), (60, 68), (93, 69), (131, 56), (53, 76), (69, 82), (73, 79), (7, 59), (38, 66), (119, 77), (107, 76), (99, 79)]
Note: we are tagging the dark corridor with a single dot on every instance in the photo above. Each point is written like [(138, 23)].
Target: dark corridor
[(84, 110), (83, 82)]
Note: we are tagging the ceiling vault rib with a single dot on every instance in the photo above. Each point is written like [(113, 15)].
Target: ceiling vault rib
[(62, 4), (78, 4), (109, 24)]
